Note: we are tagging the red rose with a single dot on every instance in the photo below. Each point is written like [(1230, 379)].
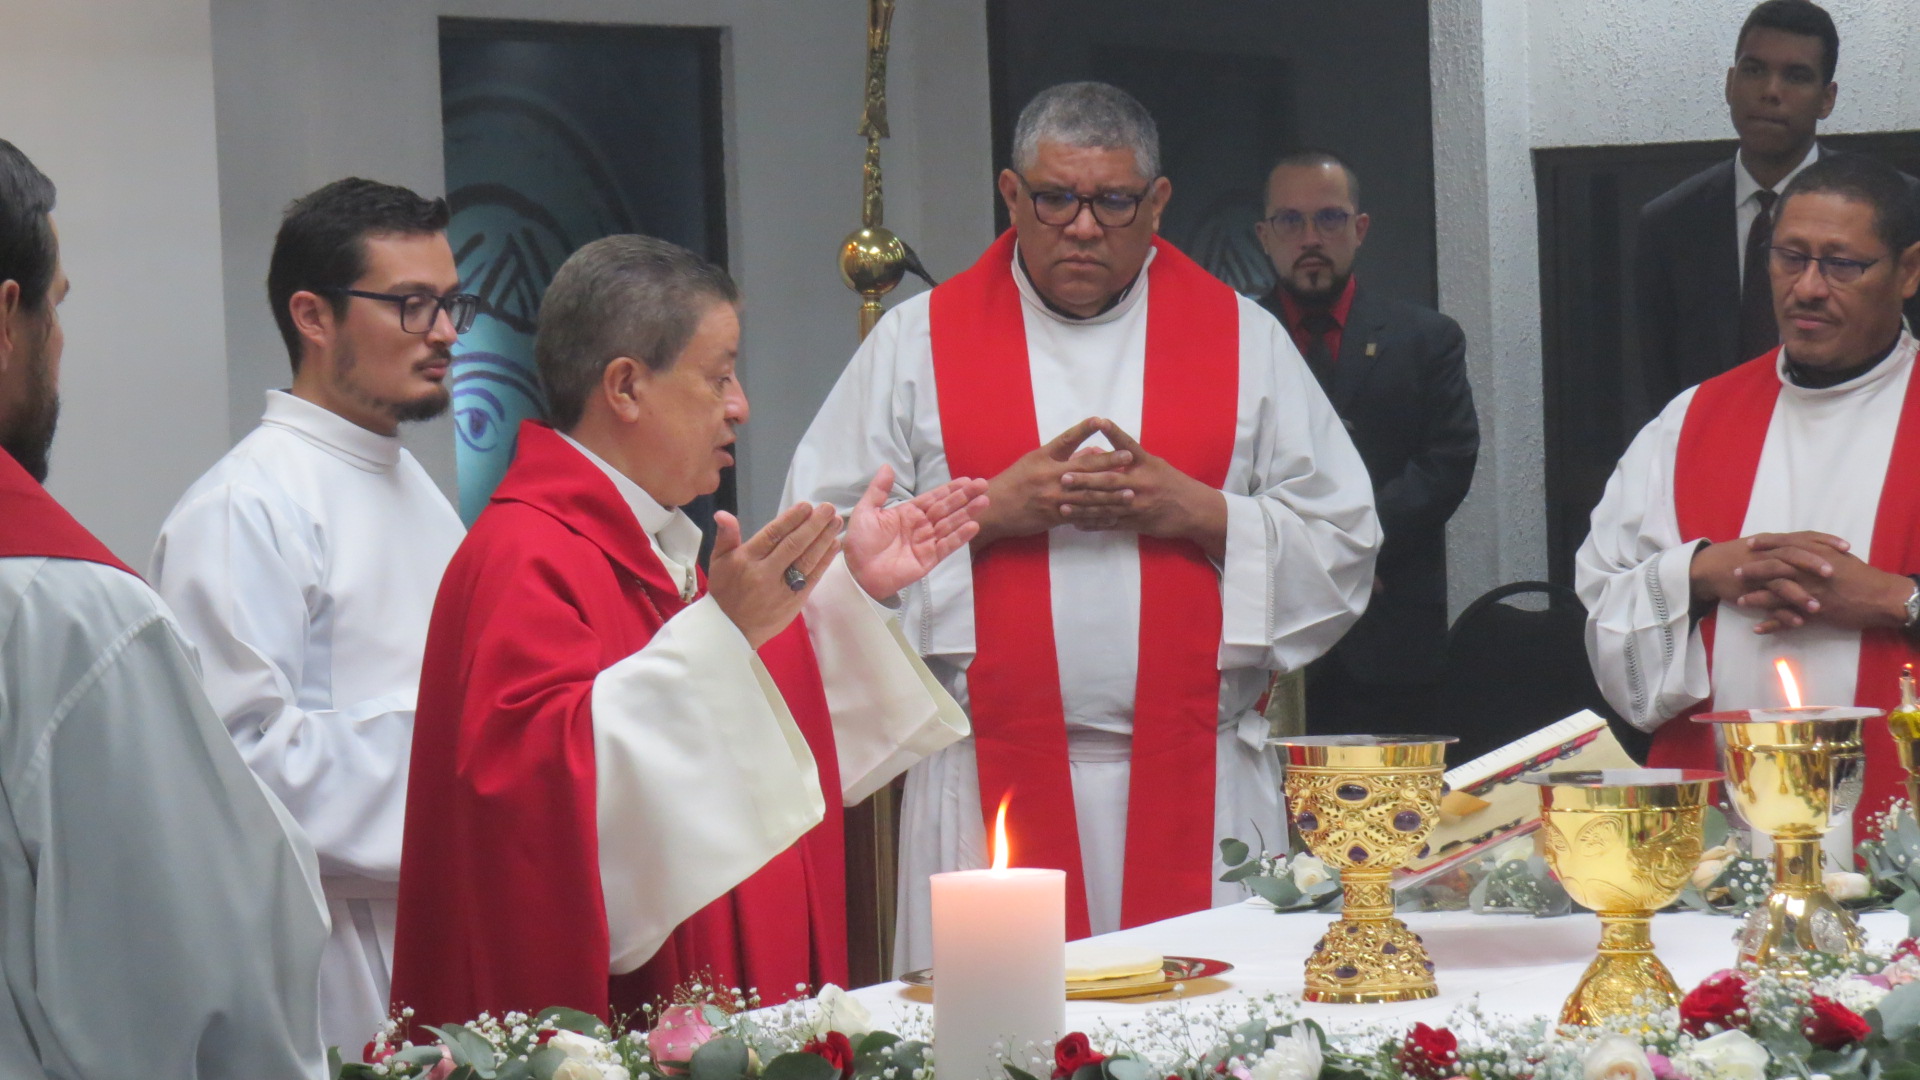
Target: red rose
[(376, 1051), (1833, 1025), (1907, 947), (1714, 1001), (1072, 1052), (837, 1049), (1429, 1053)]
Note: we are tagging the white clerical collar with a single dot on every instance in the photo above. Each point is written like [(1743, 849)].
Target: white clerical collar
[(1744, 185), (1896, 362), (1127, 300), (330, 431), (674, 536)]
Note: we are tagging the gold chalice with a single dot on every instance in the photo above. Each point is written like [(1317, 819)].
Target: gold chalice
[(1789, 772), (1904, 724), (1623, 842), (1364, 804)]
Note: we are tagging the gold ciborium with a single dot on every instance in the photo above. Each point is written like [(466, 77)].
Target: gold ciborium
[(1364, 804), (1789, 772), (1903, 723), (1623, 842)]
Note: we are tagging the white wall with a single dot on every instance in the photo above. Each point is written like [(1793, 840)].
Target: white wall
[(312, 90), (1510, 76), (114, 102)]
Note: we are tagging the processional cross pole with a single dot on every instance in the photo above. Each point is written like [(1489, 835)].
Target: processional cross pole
[(872, 258)]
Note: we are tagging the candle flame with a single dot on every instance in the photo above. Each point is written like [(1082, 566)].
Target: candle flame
[(1789, 685), (1000, 833)]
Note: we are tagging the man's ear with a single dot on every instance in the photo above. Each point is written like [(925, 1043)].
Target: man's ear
[(313, 318), (624, 386), (9, 309), (1908, 268)]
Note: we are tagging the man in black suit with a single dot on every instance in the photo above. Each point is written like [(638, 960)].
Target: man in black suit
[(1701, 286), (1396, 373)]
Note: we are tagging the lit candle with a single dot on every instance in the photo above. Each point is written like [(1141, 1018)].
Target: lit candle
[(999, 966)]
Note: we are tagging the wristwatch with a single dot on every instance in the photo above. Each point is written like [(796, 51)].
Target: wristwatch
[(1913, 607)]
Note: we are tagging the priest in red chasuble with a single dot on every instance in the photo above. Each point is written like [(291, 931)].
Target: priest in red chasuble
[(1176, 513), (1774, 511), (625, 772)]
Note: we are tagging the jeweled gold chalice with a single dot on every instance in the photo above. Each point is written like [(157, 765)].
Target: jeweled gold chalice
[(1364, 804), (1623, 842), (1789, 772)]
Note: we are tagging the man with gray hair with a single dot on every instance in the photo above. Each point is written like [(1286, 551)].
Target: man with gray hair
[(629, 754), (1199, 521)]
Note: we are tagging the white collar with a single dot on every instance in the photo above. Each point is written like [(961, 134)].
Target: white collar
[(1744, 185), (675, 538), (330, 431), (1897, 361), (1127, 301)]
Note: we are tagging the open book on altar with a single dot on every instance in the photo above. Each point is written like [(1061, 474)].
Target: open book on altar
[(1486, 802)]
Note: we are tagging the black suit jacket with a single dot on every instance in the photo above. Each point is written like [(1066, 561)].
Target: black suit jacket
[(1400, 386), (1687, 284)]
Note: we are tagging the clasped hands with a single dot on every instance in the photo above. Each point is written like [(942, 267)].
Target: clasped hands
[(888, 548), (1799, 578), (1063, 483)]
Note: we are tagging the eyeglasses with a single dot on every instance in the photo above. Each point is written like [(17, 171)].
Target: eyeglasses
[(1330, 219), (1111, 209), (419, 310), (1836, 270)]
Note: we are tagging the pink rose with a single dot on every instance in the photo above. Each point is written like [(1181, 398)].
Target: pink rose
[(442, 1068), (682, 1030)]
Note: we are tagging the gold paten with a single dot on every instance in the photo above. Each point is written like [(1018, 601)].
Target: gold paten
[(1623, 842), (1789, 771), (1365, 804)]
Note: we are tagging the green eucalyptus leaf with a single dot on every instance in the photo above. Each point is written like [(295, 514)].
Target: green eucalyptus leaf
[(1120, 1068), (1282, 894), (1240, 873), (1088, 1072), (562, 1019), (515, 1070), (876, 1041), (1900, 1012), (546, 1061), (1713, 828), (799, 1065), (1015, 1072), (417, 1055), (333, 1062), (1233, 852), (719, 1058)]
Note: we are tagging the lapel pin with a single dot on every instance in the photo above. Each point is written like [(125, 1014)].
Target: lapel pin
[(1373, 348)]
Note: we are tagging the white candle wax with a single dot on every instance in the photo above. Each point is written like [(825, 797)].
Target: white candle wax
[(999, 970)]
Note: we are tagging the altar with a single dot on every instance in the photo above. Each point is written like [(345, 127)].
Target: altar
[(1516, 965)]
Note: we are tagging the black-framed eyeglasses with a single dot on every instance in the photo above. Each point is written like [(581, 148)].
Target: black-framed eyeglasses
[(419, 310), (1111, 209), (1836, 270), (1330, 219)]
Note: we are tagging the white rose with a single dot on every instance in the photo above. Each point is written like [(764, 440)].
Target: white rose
[(1846, 885), (1308, 871), (1296, 1057), (1617, 1057), (1708, 869), (587, 1058), (1730, 1055), (840, 1012)]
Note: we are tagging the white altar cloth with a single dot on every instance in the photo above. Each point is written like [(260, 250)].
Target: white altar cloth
[(1516, 965)]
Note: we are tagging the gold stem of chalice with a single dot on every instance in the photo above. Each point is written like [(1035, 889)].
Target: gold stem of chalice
[(1789, 771), (1623, 842), (1365, 804)]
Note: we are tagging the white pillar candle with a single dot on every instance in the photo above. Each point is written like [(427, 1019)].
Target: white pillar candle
[(999, 970)]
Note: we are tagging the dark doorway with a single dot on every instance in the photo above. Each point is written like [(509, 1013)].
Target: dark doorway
[(1233, 84), (1590, 198), (558, 134)]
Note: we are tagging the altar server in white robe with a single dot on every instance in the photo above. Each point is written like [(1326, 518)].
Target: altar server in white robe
[(1175, 513), (1773, 511), (160, 914), (305, 562)]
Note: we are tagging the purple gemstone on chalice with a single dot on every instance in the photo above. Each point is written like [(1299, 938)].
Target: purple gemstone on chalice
[(1390, 948), (1429, 966), (1351, 792), (1346, 971), (1356, 854), (1425, 850), (1307, 822), (1407, 820), (1319, 946)]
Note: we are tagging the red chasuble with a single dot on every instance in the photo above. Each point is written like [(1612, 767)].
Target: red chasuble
[(34, 525), (1715, 464), (500, 901), (987, 421)]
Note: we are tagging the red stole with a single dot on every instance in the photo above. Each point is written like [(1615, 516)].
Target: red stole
[(1715, 463), (987, 421), (33, 524), (500, 897)]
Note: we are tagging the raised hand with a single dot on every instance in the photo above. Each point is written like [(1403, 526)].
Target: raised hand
[(891, 547), (1151, 497), (749, 580), (1029, 497)]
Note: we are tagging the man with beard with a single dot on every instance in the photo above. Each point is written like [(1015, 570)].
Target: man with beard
[(304, 563), (160, 914), (1397, 375)]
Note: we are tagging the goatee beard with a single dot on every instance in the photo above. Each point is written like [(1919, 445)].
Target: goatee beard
[(1317, 297)]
